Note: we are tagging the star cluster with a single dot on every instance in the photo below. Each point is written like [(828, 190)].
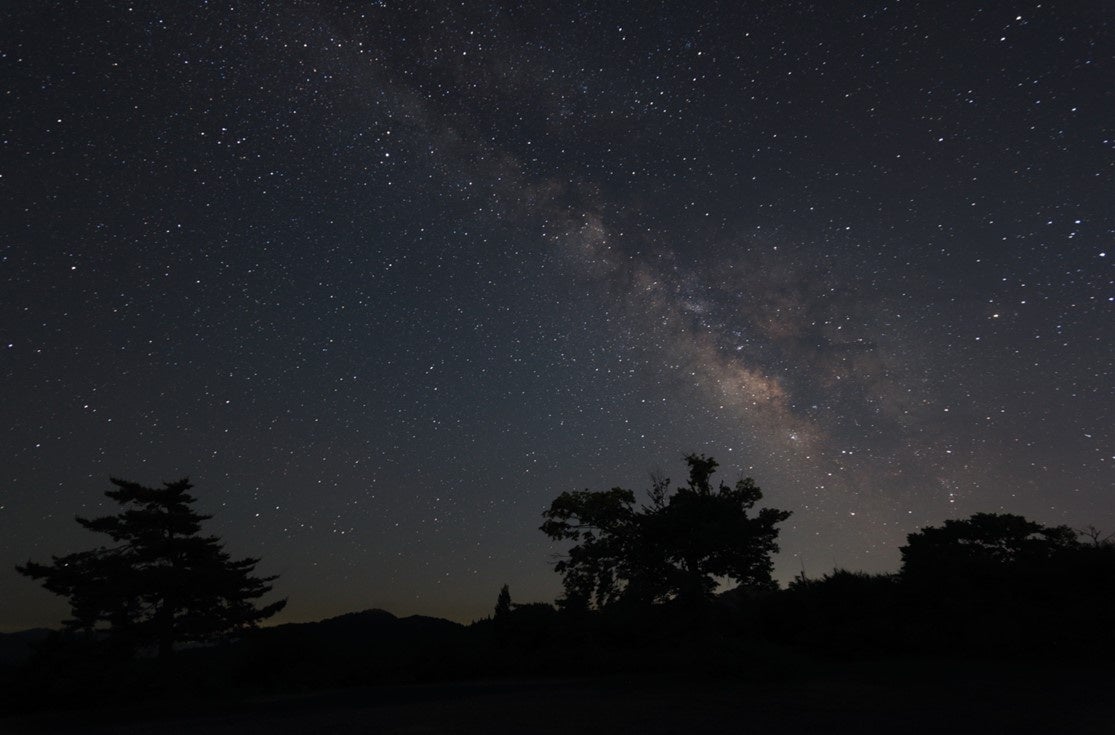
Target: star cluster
[(385, 278)]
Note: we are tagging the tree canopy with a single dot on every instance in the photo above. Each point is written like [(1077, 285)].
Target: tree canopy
[(161, 582), (985, 543), (676, 547)]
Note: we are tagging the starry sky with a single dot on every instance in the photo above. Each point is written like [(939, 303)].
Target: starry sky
[(385, 278)]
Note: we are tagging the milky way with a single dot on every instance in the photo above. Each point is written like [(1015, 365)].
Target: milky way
[(383, 280)]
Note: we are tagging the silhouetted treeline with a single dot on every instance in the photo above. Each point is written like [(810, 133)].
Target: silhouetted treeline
[(991, 587)]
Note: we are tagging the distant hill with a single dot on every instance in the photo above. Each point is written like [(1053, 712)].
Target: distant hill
[(374, 618), (359, 647), (17, 647), (350, 633), (367, 631), (366, 625)]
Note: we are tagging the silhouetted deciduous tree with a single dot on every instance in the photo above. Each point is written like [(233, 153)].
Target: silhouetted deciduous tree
[(1000, 584), (674, 548), (984, 544), (1096, 538), (162, 583)]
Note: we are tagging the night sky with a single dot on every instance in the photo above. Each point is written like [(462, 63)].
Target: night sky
[(384, 278)]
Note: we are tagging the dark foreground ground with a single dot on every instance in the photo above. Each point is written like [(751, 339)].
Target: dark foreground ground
[(914, 698)]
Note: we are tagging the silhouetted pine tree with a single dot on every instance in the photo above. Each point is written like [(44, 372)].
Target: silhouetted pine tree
[(503, 602), (162, 583)]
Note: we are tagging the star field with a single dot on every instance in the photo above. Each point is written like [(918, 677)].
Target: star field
[(384, 279)]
